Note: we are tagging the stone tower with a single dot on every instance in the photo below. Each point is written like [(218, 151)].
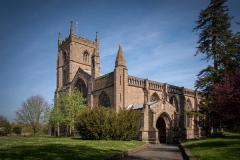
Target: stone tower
[(120, 81), (75, 54)]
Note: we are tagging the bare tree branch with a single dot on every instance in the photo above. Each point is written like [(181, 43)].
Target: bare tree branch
[(33, 112)]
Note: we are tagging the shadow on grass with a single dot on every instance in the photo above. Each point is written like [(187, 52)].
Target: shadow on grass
[(54, 151)]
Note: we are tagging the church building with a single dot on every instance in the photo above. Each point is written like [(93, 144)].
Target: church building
[(163, 106)]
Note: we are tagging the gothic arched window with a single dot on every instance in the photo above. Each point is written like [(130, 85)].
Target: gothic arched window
[(64, 57), (85, 56), (188, 119), (64, 77), (81, 86), (154, 97), (104, 100), (174, 102)]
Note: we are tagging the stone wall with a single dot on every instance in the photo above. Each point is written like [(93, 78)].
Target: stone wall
[(135, 95), (109, 91), (105, 84)]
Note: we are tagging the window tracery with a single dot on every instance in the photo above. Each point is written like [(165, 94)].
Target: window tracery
[(154, 97), (85, 56), (104, 100), (80, 85), (64, 57)]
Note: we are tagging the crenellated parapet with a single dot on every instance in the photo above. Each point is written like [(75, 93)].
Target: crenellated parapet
[(80, 39)]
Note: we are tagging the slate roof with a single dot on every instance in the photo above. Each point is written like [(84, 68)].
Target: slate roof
[(139, 105)]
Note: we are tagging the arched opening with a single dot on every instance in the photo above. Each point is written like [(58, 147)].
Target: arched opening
[(154, 97), (64, 57), (64, 77), (174, 102), (80, 85), (161, 126), (85, 56), (188, 119), (104, 100)]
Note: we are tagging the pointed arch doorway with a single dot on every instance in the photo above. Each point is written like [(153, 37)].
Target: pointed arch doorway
[(161, 126)]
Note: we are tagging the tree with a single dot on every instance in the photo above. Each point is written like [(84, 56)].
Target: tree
[(33, 112), (66, 108), (226, 100), (17, 129), (231, 59), (216, 41), (4, 125), (214, 27)]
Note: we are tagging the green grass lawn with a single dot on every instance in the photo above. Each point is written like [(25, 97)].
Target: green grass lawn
[(60, 148), (225, 148)]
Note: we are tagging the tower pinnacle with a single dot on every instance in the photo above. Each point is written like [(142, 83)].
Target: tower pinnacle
[(71, 28), (59, 36), (120, 60), (96, 40), (59, 40)]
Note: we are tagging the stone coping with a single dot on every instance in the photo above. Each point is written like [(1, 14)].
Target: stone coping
[(124, 154), (185, 152)]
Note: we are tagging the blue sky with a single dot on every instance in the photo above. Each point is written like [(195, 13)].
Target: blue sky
[(156, 36)]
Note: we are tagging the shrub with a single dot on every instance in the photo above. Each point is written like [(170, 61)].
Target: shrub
[(17, 129), (96, 123), (105, 123), (128, 123)]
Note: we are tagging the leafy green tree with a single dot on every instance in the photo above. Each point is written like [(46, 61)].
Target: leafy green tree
[(17, 129), (45, 129), (5, 127), (231, 59), (214, 26), (66, 108), (218, 44), (33, 112), (8, 129)]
